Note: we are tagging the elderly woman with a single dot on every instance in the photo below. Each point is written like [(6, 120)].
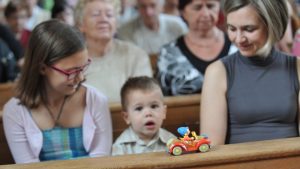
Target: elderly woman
[(181, 64), (113, 61), (252, 94)]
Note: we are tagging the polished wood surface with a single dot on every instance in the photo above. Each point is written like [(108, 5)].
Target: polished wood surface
[(181, 110), (279, 154), (6, 92), (153, 61)]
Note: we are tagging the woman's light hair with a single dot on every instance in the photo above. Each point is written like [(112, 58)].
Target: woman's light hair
[(274, 15), (79, 10), (161, 2)]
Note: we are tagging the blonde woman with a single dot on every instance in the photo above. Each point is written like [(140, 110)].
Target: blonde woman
[(252, 94)]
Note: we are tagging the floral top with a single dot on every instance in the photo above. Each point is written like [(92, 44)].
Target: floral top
[(180, 71)]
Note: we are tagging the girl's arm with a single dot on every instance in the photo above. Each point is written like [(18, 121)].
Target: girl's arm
[(102, 139), (15, 134)]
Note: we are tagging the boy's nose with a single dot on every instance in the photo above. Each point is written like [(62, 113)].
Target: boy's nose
[(148, 112)]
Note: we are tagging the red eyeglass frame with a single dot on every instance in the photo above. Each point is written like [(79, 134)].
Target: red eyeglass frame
[(75, 73)]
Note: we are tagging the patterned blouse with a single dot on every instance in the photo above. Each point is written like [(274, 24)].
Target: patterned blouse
[(62, 143), (180, 71)]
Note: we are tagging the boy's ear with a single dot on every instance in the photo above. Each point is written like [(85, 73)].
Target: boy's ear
[(126, 118)]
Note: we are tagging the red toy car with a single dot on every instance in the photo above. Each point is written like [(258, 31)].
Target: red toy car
[(178, 146)]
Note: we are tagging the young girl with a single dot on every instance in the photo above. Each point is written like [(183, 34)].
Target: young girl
[(53, 115)]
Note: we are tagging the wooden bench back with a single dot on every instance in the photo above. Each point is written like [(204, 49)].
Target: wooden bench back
[(153, 60), (181, 110), (6, 92)]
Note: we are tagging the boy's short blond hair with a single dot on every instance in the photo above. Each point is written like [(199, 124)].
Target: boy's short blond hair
[(143, 83)]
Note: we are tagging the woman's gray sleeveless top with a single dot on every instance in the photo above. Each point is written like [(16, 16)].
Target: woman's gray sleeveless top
[(262, 97)]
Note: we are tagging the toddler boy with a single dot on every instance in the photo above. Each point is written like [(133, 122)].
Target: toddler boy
[(144, 111)]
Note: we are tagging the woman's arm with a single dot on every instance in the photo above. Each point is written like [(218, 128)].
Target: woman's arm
[(213, 111), (15, 135)]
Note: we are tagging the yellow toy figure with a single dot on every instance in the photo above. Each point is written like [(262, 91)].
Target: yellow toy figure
[(196, 136), (184, 132)]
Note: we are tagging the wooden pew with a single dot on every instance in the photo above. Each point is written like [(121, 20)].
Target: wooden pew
[(153, 60), (6, 92), (5, 155), (181, 110), (279, 154)]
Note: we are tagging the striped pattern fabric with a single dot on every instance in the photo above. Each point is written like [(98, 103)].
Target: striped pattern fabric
[(62, 143)]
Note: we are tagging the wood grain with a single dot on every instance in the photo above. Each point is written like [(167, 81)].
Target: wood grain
[(279, 154)]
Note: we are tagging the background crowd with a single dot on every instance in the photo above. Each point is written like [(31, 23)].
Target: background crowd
[(160, 34)]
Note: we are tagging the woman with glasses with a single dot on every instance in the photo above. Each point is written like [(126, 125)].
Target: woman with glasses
[(54, 116)]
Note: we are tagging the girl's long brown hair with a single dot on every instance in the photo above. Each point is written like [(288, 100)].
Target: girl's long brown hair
[(50, 41)]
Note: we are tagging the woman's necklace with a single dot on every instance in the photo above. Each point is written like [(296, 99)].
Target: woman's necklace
[(59, 113)]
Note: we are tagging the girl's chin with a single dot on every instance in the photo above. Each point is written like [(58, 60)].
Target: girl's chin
[(71, 90)]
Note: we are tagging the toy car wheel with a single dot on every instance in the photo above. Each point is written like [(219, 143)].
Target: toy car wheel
[(204, 148), (177, 151)]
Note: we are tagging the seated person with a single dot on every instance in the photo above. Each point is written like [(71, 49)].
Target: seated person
[(63, 11), (171, 7), (253, 94), (9, 38), (152, 29), (114, 61), (182, 63), (16, 15), (127, 12), (144, 112), (8, 65), (37, 14), (54, 116)]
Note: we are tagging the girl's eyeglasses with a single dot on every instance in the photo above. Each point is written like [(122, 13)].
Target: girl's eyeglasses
[(74, 73)]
